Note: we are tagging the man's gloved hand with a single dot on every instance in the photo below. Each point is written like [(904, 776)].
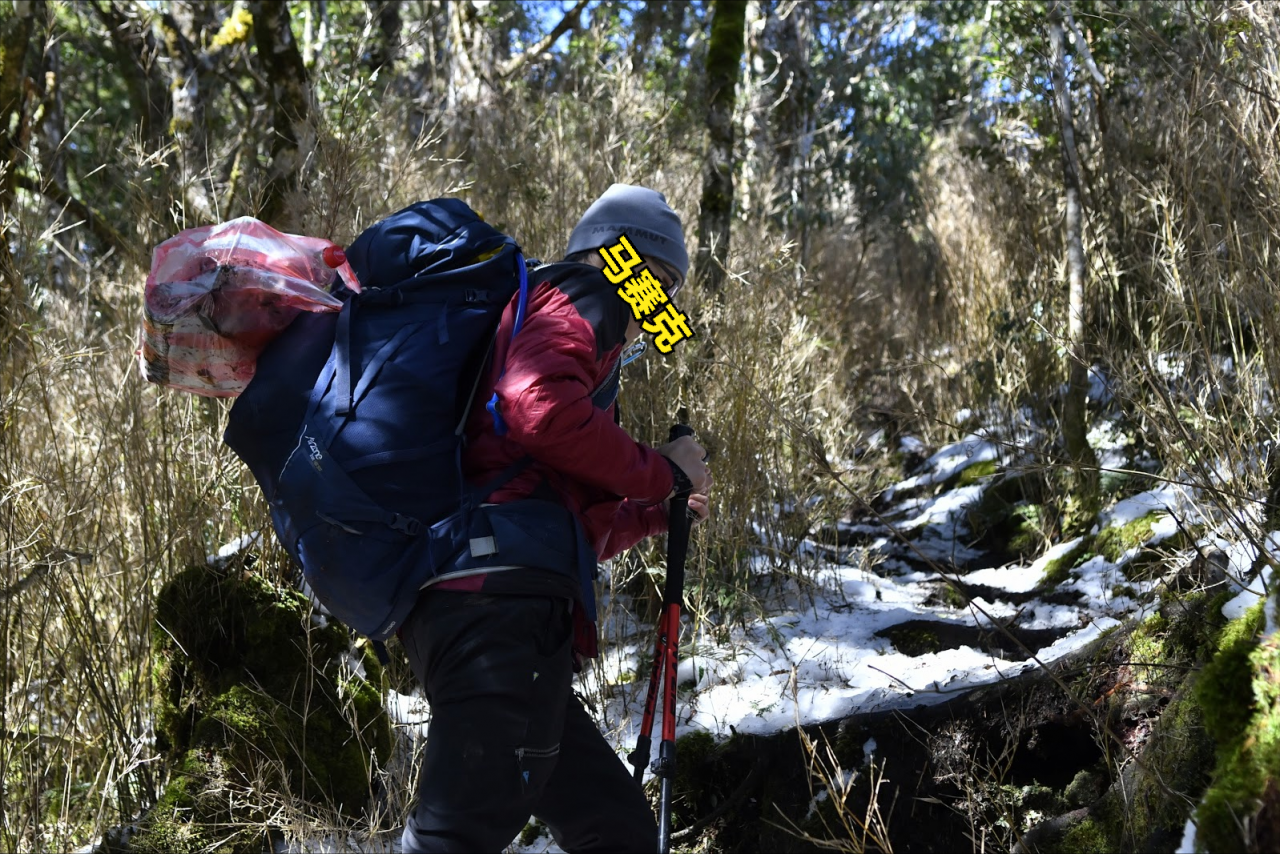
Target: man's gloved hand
[(690, 457)]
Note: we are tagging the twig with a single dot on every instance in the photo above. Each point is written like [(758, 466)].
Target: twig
[(1083, 46), (739, 794), (569, 21), (94, 221), (59, 557)]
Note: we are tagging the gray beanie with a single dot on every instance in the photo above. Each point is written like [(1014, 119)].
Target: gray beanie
[(643, 215)]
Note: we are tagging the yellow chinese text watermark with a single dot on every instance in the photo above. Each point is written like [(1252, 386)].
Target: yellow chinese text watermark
[(649, 302)]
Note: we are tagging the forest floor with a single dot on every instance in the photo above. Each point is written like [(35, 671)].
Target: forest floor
[(928, 594)]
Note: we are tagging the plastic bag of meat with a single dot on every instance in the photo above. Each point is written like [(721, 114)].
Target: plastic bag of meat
[(217, 295)]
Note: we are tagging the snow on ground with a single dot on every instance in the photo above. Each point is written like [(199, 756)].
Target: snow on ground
[(949, 461), (821, 653)]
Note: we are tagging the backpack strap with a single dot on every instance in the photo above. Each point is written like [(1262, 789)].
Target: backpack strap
[(500, 426), (607, 392), (342, 359)]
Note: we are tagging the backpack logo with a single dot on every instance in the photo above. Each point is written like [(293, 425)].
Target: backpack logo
[(316, 455)]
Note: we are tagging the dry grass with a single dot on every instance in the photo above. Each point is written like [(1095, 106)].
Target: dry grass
[(108, 487)]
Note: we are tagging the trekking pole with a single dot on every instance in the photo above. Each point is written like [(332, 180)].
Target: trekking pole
[(664, 663)]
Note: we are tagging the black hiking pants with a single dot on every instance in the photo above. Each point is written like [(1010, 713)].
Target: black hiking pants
[(508, 738)]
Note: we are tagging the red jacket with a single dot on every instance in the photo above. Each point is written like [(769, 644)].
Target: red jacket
[(572, 336)]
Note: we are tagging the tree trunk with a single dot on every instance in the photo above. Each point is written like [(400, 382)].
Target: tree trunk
[(464, 80), (754, 182), (16, 20), (795, 123), (724, 56), (289, 96), (52, 131), (15, 37), (1074, 428), (184, 31), (135, 51), (386, 41), (315, 31)]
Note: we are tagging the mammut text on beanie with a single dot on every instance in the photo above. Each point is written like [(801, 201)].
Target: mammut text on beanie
[(643, 215)]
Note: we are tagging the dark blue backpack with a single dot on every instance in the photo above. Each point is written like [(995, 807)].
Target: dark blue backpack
[(353, 424)]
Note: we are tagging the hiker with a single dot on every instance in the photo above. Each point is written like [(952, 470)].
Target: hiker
[(496, 651)]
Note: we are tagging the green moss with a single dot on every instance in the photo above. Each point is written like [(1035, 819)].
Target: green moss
[(1085, 788), (1147, 646), (991, 518), (1086, 837), (912, 640), (244, 676), (1114, 541), (1059, 568), (239, 715), (193, 814), (1177, 757), (977, 473), (1224, 688), (235, 29), (953, 597), (1028, 536), (699, 776), (1237, 691), (532, 832)]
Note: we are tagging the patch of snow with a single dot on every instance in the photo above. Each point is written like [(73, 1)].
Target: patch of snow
[(951, 460), (1235, 607), (233, 548), (1014, 579), (1188, 843), (408, 710), (815, 801), (946, 508), (544, 844), (1168, 497), (388, 843)]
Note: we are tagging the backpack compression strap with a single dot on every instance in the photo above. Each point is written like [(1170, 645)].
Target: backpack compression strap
[(499, 425)]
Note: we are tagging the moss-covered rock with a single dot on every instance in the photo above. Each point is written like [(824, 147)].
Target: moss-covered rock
[(253, 693), (1112, 542), (1058, 569), (1009, 517), (1241, 693), (1142, 803), (977, 473), (1086, 837), (699, 764), (912, 639)]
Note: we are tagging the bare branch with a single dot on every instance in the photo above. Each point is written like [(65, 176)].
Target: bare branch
[(96, 224), (569, 21), (1077, 36), (59, 557)]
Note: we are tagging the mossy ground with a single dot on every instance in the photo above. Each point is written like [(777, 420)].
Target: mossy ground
[(1240, 690), (251, 694), (1058, 569), (1010, 517)]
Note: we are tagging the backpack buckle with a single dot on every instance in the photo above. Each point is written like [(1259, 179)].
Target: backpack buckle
[(406, 525)]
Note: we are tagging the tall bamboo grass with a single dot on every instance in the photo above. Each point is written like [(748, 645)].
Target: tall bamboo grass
[(109, 486)]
